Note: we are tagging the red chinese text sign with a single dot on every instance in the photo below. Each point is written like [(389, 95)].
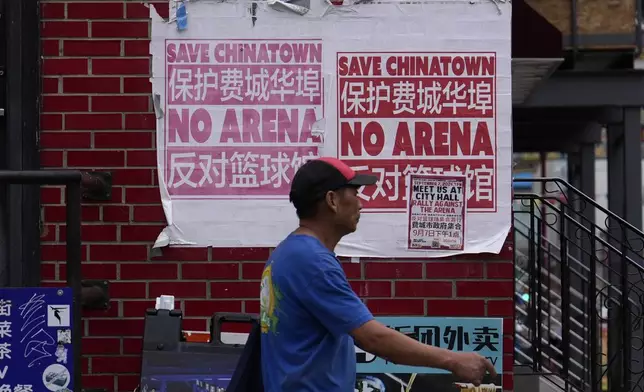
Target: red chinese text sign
[(240, 115), (425, 113)]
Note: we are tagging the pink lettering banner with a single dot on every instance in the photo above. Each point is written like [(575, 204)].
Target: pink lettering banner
[(242, 106)]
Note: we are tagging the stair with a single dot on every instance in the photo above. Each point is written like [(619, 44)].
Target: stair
[(574, 279)]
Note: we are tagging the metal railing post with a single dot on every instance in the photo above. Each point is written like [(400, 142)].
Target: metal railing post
[(72, 180)]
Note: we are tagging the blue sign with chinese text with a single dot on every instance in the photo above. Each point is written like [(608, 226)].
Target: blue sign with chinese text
[(480, 335), (36, 353)]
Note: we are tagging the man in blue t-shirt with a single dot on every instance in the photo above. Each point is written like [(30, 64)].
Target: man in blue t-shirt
[(310, 316)]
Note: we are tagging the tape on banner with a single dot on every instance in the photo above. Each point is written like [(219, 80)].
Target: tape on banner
[(182, 17)]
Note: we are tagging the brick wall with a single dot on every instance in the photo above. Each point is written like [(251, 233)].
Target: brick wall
[(97, 114)]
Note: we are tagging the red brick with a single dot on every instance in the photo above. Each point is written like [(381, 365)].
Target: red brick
[(91, 85), (48, 233), (183, 254), (93, 121), (116, 213), (53, 284), (149, 271), (50, 86), (485, 289), (111, 312), (59, 213), (393, 270), (137, 47), (499, 270), (51, 122), (48, 271), (127, 29), (99, 271), (456, 308), (142, 121), (65, 140), (120, 103), (453, 270), (105, 271), (149, 214), (51, 158), (91, 48), (162, 8), (94, 10), (51, 195), (234, 289), (209, 271), (52, 10), (137, 85), (500, 308), (93, 233), (178, 289), (64, 29), (93, 381), (138, 11), (50, 47), (252, 270), (138, 308), (142, 195), (132, 176), (57, 253), (251, 307), (240, 254), (128, 382), (123, 140), (100, 345), (117, 195), (208, 308), (65, 103), (95, 158), (118, 252), (372, 288), (121, 66), (352, 270), (140, 233), (395, 307), (122, 364), (241, 327), (55, 66), (508, 348), (146, 158), (132, 345), (410, 288), (508, 326), (127, 290)]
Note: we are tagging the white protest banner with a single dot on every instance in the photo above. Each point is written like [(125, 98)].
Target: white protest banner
[(436, 211), (392, 89)]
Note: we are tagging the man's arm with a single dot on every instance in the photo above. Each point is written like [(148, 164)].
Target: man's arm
[(392, 345), (398, 348), (330, 299)]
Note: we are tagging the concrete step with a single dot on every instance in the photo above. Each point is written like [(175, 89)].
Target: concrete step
[(526, 381)]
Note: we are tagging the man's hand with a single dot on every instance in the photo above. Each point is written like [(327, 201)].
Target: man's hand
[(471, 367)]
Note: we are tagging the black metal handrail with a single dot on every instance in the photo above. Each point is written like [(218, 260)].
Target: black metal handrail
[(592, 267), (72, 180)]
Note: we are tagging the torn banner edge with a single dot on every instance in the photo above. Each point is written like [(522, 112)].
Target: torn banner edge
[(171, 232)]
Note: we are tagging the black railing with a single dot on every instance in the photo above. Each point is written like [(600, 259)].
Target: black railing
[(72, 180), (580, 290)]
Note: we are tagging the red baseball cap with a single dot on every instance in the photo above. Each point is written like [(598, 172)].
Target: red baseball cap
[(317, 177)]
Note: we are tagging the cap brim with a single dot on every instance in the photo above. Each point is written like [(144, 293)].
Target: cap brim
[(363, 179)]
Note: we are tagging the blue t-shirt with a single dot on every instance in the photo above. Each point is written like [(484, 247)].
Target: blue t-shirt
[(307, 312)]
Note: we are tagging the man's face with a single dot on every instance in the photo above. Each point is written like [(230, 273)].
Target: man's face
[(346, 206)]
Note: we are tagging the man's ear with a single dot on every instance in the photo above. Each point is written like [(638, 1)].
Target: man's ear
[(331, 199)]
